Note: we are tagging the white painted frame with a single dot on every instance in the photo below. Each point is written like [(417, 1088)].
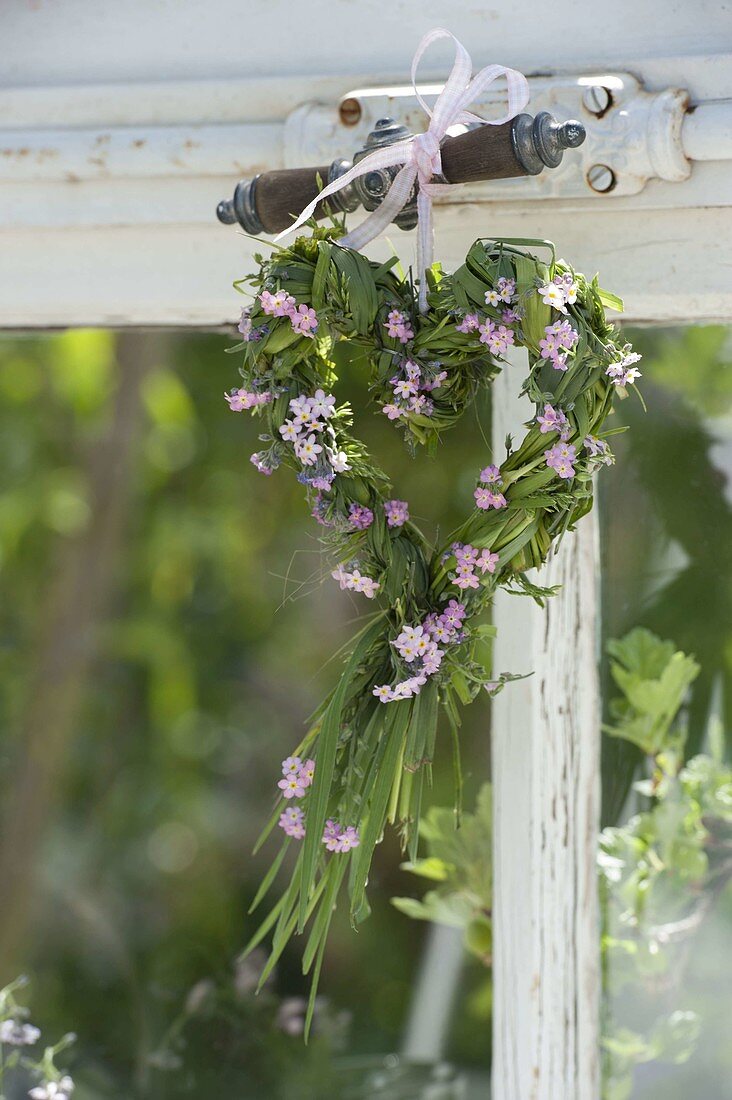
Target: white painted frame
[(124, 124)]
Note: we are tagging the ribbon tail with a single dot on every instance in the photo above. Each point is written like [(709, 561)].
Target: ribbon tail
[(425, 245), (396, 198)]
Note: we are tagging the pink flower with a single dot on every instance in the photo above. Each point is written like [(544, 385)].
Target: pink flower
[(331, 835), (307, 450), (292, 786), (307, 772), (598, 448), (469, 323), (485, 498), (560, 459), (393, 412), (487, 562), (291, 766), (348, 839), (360, 517), (322, 404), (304, 320), (506, 289), (258, 460), (383, 693), (405, 388), (468, 581), (499, 340), (293, 822), (486, 331), (277, 305), (289, 431), (491, 475), (397, 512), (397, 326), (551, 420), (436, 382)]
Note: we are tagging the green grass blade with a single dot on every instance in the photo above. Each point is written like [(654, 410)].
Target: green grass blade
[(325, 764)]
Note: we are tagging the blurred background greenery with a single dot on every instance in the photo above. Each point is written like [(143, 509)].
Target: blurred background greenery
[(164, 633)]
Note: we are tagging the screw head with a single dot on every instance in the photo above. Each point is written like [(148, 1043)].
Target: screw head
[(601, 178), (375, 184), (350, 111), (597, 100)]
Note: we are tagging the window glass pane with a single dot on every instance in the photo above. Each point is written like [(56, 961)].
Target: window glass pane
[(667, 855)]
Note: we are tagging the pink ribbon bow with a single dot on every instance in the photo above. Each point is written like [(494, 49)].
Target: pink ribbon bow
[(420, 155)]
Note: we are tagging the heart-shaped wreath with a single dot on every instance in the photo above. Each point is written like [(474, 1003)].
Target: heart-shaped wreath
[(367, 753)]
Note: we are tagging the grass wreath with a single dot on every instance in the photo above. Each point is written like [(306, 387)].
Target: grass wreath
[(367, 753)]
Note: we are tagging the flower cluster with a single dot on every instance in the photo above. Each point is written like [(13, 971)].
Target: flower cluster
[(499, 338), (560, 292), (553, 420), (356, 581), (560, 458), (468, 558), (297, 777), (308, 423), (303, 319), (339, 838), (410, 391), (292, 821), (16, 1034), (503, 292), (397, 326), (54, 1090), (488, 494), (624, 372), (419, 647), (558, 343)]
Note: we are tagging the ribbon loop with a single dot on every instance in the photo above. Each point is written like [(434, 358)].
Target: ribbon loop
[(420, 155)]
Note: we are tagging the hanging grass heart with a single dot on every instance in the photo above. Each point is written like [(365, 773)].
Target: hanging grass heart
[(365, 757)]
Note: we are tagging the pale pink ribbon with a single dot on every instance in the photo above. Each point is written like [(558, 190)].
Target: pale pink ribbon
[(420, 155)]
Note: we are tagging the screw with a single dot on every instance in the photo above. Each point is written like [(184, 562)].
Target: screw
[(597, 100), (350, 111), (601, 178), (375, 183)]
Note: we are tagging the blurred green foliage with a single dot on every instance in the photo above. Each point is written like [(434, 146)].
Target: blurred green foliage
[(211, 646)]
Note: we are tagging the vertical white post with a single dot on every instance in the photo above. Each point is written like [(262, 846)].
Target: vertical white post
[(545, 746)]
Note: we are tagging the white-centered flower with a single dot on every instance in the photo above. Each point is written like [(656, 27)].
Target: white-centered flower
[(18, 1035), (339, 461), (54, 1090), (553, 295), (289, 431), (307, 450)]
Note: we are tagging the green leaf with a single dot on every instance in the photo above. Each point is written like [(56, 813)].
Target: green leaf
[(395, 729)]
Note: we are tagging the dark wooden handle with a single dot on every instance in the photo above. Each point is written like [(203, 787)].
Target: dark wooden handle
[(280, 196), (483, 154)]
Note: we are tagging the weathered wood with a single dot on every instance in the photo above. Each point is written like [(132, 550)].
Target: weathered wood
[(281, 195), (483, 154), (545, 754)]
